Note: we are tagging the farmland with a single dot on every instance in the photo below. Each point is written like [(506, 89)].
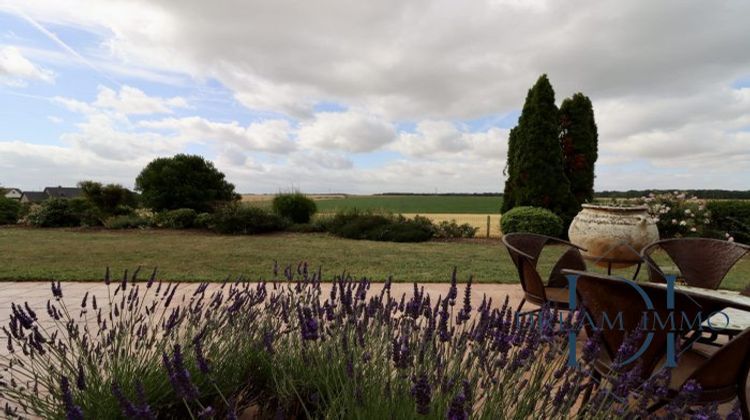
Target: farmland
[(81, 254), (422, 204)]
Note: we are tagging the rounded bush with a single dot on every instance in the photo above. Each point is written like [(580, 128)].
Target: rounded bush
[(531, 220), (296, 207), (244, 219), (183, 181), (10, 211), (176, 219)]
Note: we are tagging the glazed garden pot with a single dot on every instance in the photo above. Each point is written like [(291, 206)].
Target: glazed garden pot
[(612, 234)]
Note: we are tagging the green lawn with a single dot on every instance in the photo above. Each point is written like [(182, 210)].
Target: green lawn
[(62, 254), (416, 204)]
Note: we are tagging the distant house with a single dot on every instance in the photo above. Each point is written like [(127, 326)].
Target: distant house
[(12, 193), (63, 192), (33, 197)]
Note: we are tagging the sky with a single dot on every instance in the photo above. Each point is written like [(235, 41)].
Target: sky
[(368, 96)]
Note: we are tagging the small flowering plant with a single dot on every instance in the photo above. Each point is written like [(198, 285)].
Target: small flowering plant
[(296, 348), (678, 215)]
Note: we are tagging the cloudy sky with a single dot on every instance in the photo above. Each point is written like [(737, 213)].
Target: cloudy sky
[(368, 96)]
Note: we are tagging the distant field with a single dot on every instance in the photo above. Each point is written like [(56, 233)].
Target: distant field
[(415, 204)]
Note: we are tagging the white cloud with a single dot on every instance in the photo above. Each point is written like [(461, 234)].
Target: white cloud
[(16, 70), (444, 140), (132, 101), (350, 131), (267, 136)]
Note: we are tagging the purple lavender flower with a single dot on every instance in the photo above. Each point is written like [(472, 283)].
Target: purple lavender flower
[(179, 376), (422, 393), (457, 408), (268, 338), (453, 291), (126, 406), (465, 313), (72, 411), (81, 377), (308, 324), (200, 358), (57, 290), (591, 349)]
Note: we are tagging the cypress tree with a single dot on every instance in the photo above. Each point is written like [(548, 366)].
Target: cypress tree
[(508, 194), (536, 176), (578, 140)]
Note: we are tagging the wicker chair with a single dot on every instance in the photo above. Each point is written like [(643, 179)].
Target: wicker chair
[(722, 375), (524, 250), (702, 262)]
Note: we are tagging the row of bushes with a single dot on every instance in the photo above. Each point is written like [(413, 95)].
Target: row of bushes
[(292, 213)]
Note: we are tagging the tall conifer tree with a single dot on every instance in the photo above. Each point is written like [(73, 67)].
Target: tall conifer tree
[(536, 175), (578, 139)]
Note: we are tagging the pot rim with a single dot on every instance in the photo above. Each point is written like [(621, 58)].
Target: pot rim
[(615, 208)]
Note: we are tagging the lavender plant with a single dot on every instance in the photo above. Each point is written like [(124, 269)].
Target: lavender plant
[(295, 347)]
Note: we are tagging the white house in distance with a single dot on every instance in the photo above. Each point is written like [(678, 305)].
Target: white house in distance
[(13, 193)]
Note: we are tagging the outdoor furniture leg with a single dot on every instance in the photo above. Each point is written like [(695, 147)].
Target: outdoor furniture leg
[(637, 270), (520, 305)]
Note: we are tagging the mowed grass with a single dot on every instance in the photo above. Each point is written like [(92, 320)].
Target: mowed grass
[(62, 254), (415, 204)]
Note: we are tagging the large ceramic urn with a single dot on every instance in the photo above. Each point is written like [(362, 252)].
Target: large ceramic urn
[(613, 235)]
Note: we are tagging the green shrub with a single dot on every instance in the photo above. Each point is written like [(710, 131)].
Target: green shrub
[(86, 213), (204, 221), (55, 212), (127, 222), (446, 229), (176, 219), (244, 219), (10, 211), (531, 220), (296, 207), (110, 199), (730, 219), (356, 224)]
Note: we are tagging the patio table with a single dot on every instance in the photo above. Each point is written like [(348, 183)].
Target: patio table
[(737, 307)]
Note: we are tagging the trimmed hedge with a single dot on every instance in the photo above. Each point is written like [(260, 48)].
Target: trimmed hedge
[(296, 207), (244, 219), (531, 220), (730, 217)]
